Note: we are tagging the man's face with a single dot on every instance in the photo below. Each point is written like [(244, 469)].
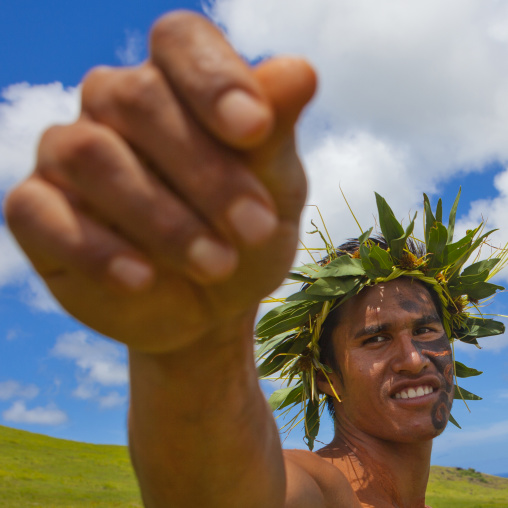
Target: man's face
[(396, 363)]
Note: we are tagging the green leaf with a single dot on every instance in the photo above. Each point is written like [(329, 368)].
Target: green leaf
[(365, 236), (311, 422), (462, 371), (397, 245), (479, 327), (455, 251), (451, 220), (371, 265), (480, 267), (380, 261), (299, 277), (390, 226), (429, 218), (311, 269), (439, 211), (294, 398), (341, 267), (273, 342), (286, 317), (475, 290), (365, 258), (333, 287), (465, 394), (283, 354), (474, 245), (303, 296), (285, 397), (454, 421), (436, 244)]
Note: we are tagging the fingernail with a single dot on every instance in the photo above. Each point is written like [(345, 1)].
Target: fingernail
[(242, 115), (252, 221), (213, 260), (130, 272)]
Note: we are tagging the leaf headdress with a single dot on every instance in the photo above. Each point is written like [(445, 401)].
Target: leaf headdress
[(288, 336)]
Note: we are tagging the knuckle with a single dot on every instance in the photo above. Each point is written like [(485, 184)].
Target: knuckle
[(81, 140), (169, 226), (94, 85), (18, 205), (13, 204), (139, 89), (107, 93), (174, 28)]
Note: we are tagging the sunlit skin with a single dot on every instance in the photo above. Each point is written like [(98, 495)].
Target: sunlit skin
[(389, 340)]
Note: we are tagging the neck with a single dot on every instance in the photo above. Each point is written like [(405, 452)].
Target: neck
[(382, 470)]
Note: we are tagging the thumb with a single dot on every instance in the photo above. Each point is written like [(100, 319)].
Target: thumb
[(289, 84)]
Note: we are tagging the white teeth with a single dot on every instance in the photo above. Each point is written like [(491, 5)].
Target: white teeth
[(411, 393)]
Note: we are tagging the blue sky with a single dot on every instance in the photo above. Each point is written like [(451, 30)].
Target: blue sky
[(411, 100)]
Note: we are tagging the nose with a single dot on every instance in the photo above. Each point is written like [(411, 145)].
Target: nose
[(408, 357)]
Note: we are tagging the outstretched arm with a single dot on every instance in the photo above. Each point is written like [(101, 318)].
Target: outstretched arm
[(160, 218)]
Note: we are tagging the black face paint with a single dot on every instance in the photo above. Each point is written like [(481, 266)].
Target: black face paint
[(413, 305), (440, 354), (409, 305)]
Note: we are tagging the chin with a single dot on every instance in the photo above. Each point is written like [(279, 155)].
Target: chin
[(416, 432)]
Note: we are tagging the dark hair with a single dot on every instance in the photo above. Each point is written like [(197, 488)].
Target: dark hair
[(327, 354)]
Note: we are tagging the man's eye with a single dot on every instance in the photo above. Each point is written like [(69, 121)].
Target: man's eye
[(378, 339), (423, 330)]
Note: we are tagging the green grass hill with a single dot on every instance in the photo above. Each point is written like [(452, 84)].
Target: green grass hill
[(37, 470)]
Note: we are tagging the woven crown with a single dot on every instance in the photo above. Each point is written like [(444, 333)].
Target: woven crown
[(288, 335)]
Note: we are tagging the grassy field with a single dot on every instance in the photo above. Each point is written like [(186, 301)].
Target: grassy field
[(37, 470), (466, 488)]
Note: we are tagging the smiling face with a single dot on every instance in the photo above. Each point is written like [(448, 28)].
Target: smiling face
[(396, 366)]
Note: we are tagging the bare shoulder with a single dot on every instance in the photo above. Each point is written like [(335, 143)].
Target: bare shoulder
[(312, 482)]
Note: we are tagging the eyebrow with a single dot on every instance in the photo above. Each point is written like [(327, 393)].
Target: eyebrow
[(382, 327)]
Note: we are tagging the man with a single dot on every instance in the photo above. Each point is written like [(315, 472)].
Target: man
[(160, 218)]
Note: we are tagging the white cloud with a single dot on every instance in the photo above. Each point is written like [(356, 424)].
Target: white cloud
[(14, 266), (13, 389), (112, 399), (26, 111), (49, 415), (15, 269), (410, 93), (99, 363), (495, 432), (494, 212), (37, 295), (131, 53)]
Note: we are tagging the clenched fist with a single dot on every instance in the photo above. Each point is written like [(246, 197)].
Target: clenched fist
[(171, 206)]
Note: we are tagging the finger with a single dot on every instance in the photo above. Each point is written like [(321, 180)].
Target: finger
[(60, 240), (212, 80), (211, 178), (93, 163), (289, 84)]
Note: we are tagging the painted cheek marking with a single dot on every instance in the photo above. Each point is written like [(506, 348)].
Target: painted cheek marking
[(440, 412), (439, 353), (448, 373), (435, 354)]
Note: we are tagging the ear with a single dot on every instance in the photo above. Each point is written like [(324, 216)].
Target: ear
[(329, 384)]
